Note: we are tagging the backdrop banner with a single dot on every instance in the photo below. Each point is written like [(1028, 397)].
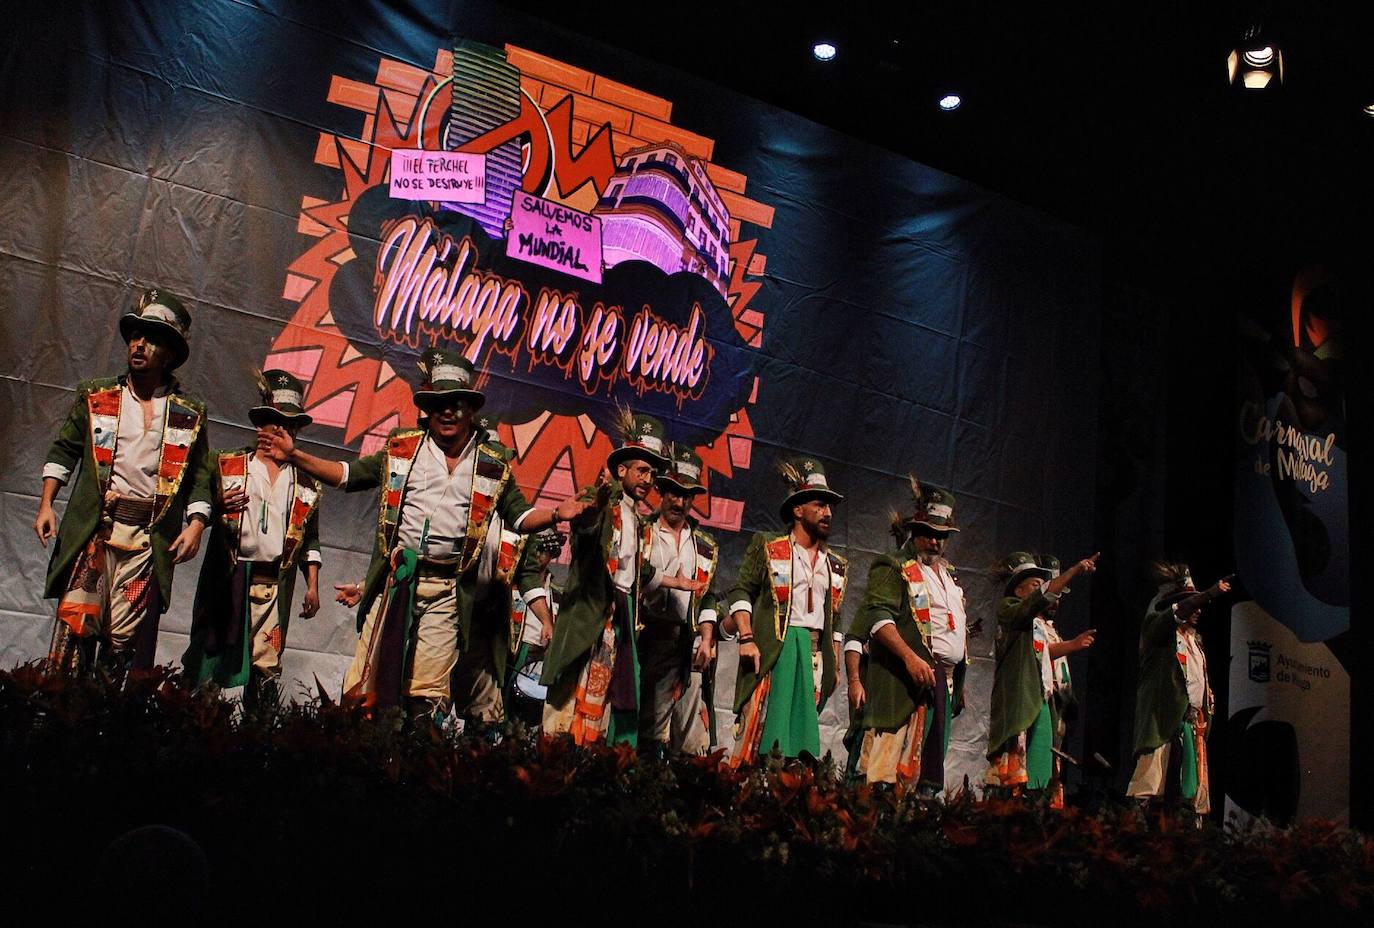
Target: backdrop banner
[(336, 187), (1289, 738)]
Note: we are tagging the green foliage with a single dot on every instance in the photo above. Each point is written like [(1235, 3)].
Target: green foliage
[(329, 793)]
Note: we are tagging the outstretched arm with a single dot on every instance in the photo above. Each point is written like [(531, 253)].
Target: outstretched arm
[(1080, 642), (281, 447), (1187, 609)]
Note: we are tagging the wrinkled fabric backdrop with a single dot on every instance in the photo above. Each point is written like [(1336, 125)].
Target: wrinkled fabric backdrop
[(873, 312)]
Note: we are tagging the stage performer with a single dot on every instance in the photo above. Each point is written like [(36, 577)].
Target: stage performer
[(143, 452), (1173, 707), (591, 667), (785, 606), (1065, 705), (1022, 723), (677, 642), (914, 619), (524, 699), (439, 486), (479, 676), (268, 527)]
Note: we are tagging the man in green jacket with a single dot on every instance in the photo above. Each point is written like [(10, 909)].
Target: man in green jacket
[(1173, 708), (268, 527), (591, 667), (678, 637), (913, 616), (139, 443), (1022, 723), (786, 605), (438, 486), (480, 673)]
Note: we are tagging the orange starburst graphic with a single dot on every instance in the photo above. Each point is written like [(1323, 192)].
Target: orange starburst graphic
[(574, 128)]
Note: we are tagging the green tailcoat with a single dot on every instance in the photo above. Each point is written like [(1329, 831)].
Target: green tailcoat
[(590, 589), (221, 558), (758, 584), (1161, 696), (74, 450), (493, 610), (891, 694), (1017, 690), (389, 470)]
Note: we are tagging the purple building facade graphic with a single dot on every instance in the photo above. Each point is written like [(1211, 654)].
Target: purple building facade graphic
[(486, 95), (660, 207)]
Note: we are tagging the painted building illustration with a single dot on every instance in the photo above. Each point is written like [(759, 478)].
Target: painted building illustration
[(660, 207), (486, 95)]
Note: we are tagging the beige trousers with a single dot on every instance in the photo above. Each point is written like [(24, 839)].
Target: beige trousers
[(691, 726), (268, 640), (883, 751), (127, 572), (435, 627), (660, 681), (476, 690), (1151, 775)]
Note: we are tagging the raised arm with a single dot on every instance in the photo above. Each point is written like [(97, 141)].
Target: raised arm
[(1193, 604), (282, 448)]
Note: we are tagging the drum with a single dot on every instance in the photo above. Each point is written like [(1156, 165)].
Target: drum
[(528, 694)]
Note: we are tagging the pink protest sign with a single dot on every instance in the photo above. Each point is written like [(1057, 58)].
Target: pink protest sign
[(445, 176), (555, 236)]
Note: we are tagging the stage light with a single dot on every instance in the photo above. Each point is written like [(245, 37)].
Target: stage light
[(823, 51), (950, 101), (1256, 63), (1369, 110)]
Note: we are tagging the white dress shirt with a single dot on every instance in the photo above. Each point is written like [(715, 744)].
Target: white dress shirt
[(1042, 638), (948, 623), (1194, 667), (624, 578), (435, 510), (672, 554), (138, 451), (443, 499), (810, 587), (534, 628), (270, 503)]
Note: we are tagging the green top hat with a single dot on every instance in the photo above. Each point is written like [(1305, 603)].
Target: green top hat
[(683, 475), (282, 401), (447, 376), (641, 437), (1020, 565), (158, 310), (1175, 582), (805, 478), (1051, 563), (935, 511)]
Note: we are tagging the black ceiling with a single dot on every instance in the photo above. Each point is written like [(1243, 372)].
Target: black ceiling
[(1114, 116)]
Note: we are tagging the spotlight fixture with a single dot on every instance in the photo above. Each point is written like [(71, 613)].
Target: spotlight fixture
[(950, 101), (1256, 63), (824, 51), (1369, 110)]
